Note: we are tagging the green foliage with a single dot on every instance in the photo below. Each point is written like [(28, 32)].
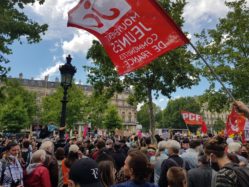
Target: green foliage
[(14, 25), (51, 106), (219, 125), (112, 120), (17, 107), (172, 117), (164, 75), (227, 49), (96, 107), (143, 117)]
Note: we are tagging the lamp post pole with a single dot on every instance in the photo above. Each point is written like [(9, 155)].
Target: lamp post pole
[(63, 114), (67, 73)]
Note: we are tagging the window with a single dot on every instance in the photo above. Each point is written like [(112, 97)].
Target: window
[(123, 116), (129, 117)]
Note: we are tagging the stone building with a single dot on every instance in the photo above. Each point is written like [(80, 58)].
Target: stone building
[(45, 87)]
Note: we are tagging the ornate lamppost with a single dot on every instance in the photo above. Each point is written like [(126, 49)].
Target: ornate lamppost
[(67, 72)]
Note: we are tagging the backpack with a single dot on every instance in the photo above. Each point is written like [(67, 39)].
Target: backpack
[(242, 174), (4, 165)]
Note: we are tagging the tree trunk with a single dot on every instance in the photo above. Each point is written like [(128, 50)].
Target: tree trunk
[(151, 116)]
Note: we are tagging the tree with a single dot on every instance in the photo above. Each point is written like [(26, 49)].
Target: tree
[(164, 75), (96, 107), (14, 25), (172, 117), (143, 118), (226, 48), (17, 107), (76, 111), (112, 120), (219, 125)]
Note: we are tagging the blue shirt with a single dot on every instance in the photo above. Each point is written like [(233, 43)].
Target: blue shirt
[(131, 183)]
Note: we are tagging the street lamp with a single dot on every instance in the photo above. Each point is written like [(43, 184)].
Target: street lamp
[(67, 72)]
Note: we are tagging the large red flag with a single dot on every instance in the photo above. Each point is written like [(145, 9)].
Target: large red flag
[(194, 119), (191, 118), (133, 33), (235, 123)]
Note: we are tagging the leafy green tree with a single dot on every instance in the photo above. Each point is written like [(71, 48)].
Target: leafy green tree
[(15, 25), (143, 118), (226, 49), (172, 117), (219, 125), (112, 120), (164, 75), (96, 107), (76, 111), (17, 107)]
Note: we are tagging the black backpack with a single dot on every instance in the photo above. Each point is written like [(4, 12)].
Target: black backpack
[(242, 174)]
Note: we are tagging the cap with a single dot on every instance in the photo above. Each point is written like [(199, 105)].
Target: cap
[(85, 173), (73, 148)]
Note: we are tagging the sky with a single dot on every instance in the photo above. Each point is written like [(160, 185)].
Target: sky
[(38, 60)]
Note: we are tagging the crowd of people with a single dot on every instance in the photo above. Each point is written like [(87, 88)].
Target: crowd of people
[(102, 161)]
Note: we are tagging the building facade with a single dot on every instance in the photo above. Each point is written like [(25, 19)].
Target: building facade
[(43, 88)]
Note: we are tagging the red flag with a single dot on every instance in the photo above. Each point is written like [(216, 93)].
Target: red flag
[(191, 118), (204, 127), (235, 123), (133, 33)]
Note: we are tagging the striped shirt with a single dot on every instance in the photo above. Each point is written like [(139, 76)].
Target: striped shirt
[(226, 178)]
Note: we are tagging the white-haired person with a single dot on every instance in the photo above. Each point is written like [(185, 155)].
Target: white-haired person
[(162, 154), (36, 173), (51, 162), (174, 160)]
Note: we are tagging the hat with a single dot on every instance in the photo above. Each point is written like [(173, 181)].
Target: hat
[(73, 148), (85, 173)]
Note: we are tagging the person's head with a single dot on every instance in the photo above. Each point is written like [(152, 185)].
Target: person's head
[(13, 149), (84, 173), (137, 166), (185, 143), (109, 144), (148, 141), (72, 156), (177, 177), (215, 148), (47, 146), (162, 146), (107, 173), (195, 144), (100, 144), (234, 147), (202, 159), (244, 151), (26, 144), (60, 153), (173, 147), (38, 156)]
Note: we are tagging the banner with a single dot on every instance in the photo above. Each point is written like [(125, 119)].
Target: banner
[(133, 33), (191, 118), (235, 123), (194, 119)]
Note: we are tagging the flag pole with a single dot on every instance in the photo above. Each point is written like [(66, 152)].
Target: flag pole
[(213, 72)]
